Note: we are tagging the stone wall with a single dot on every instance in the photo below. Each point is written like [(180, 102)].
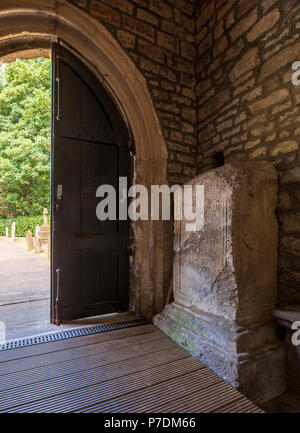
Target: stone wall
[(238, 54), (247, 106), (159, 37)]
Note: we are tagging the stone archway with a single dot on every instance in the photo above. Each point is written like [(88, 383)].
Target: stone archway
[(28, 22)]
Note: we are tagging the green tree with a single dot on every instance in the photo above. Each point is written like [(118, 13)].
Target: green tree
[(25, 107)]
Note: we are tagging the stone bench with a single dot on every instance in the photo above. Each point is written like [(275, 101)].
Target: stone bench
[(285, 317)]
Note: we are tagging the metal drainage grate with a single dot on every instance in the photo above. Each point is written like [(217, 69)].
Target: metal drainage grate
[(46, 338)]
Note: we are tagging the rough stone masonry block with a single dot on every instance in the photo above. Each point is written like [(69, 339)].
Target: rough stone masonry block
[(225, 281)]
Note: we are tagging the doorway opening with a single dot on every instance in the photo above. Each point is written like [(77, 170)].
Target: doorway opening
[(25, 110), (85, 269)]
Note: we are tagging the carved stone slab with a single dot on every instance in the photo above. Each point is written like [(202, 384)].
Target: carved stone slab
[(225, 280)]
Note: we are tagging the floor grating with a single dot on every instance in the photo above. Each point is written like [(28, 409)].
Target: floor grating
[(62, 335)]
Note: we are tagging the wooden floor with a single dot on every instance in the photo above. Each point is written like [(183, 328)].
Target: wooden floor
[(129, 370)]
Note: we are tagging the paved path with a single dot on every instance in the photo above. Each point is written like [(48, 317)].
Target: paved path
[(23, 274), (25, 295), (24, 291)]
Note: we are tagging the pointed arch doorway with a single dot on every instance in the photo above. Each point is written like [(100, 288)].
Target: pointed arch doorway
[(38, 24)]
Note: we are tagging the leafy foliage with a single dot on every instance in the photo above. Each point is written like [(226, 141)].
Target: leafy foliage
[(23, 224), (25, 107)]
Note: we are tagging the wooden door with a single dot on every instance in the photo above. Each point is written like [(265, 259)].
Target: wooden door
[(90, 266)]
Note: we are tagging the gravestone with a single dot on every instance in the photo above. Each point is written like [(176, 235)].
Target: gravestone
[(13, 231), (37, 230), (37, 240), (45, 232), (38, 245), (29, 241), (225, 281)]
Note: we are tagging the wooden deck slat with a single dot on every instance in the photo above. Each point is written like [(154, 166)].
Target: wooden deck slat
[(202, 397), (93, 368), (75, 353), (55, 346), (130, 370), (71, 401), (167, 391), (84, 379), (241, 406), (203, 400)]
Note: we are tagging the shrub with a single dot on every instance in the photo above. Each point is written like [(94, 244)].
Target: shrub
[(23, 224)]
